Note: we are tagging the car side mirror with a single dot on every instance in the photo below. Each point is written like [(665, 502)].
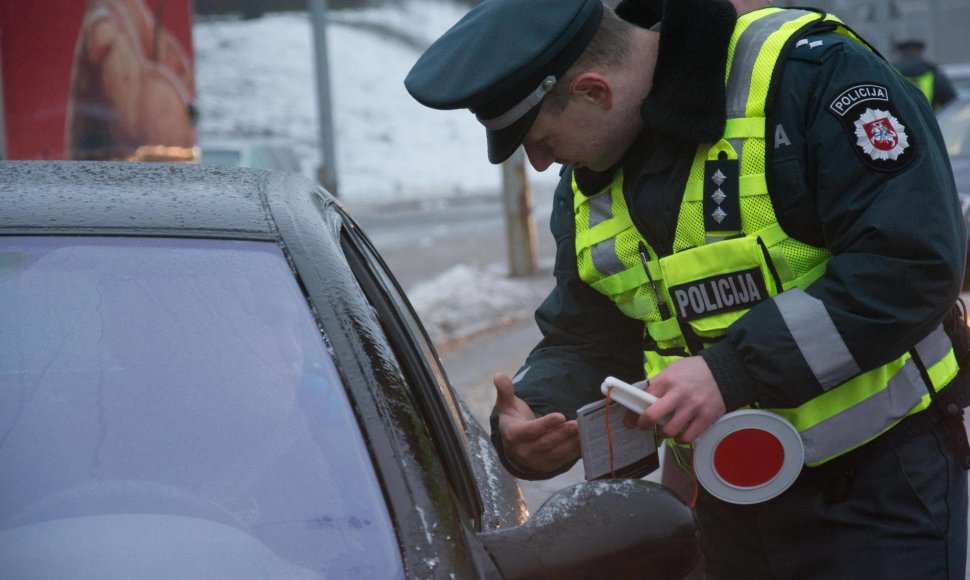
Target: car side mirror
[(610, 528)]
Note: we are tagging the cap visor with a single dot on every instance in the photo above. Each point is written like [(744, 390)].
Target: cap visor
[(503, 143)]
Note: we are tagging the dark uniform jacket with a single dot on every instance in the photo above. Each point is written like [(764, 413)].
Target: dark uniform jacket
[(943, 91), (894, 228)]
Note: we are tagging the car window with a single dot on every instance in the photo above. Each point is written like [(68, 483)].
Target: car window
[(420, 362), (222, 157), (181, 391)]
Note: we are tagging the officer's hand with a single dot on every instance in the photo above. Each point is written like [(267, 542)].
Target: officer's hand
[(688, 398), (537, 445)]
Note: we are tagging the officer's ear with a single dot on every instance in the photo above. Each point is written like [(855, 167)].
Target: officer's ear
[(593, 88)]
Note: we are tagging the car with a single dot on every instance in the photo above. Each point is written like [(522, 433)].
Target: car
[(959, 75), (954, 121), (209, 372)]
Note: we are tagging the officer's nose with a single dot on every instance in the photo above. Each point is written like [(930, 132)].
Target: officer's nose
[(540, 157)]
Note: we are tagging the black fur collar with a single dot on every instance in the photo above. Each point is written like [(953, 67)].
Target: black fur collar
[(686, 106), (688, 99)]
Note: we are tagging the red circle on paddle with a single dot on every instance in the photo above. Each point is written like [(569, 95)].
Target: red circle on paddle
[(748, 457)]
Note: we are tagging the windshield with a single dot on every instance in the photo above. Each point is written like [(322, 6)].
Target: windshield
[(172, 401)]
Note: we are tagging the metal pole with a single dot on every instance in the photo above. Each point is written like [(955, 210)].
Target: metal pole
[(935, 33), (520, 226), (327, 170)]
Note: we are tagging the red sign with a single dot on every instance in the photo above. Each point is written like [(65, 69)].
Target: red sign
[(102, 79), (748, 456)]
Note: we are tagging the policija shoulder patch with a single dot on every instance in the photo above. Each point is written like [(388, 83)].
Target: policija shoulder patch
[(870, 119)]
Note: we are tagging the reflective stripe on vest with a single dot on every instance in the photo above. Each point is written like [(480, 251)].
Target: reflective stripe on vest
[(860, 410), (855, 406), (817, 338)]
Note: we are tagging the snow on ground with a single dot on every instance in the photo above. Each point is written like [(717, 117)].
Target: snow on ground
[(256, 82), (455, 305)]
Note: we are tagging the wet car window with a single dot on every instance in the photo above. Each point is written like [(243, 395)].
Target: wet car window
[(422, 368), (416, 336), (177, 396)]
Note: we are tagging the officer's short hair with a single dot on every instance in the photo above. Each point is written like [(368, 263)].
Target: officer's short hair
[(609, 47)]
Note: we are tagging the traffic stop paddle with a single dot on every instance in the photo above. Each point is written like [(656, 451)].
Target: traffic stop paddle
[(745, 457)]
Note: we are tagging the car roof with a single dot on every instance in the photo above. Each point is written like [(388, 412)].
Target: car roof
[(141, 199)]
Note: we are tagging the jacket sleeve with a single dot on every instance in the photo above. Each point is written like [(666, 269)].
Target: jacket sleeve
[(865, 174), (585, 339)]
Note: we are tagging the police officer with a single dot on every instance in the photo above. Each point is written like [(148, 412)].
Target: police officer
[(776, 151), (912, 63)]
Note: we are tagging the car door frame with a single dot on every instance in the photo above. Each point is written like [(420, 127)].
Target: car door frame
[(437, 527)]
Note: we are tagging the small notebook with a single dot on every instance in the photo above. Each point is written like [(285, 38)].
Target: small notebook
[(634, 450)]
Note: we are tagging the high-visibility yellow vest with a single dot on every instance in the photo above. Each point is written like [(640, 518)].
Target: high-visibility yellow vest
[(925, 84), (713, 277)]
